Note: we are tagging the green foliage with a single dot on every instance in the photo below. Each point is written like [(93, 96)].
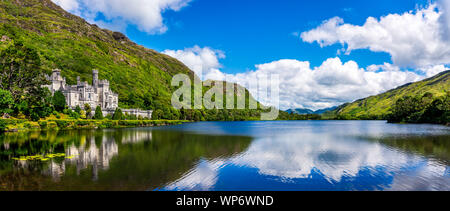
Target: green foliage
[(2, 125), (34, 116), (158, 114), (74, 114), (140, 76), (88, 110), (118, 115), (421, 109), (98, 113), (379, 106), (68, 124), (21, 71), (6, 102), (78, 110), (59, 101)]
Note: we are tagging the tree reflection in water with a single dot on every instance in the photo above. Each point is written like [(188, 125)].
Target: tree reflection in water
[(128, 159)]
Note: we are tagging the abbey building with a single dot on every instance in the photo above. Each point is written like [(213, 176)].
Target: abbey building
[(97, 94)]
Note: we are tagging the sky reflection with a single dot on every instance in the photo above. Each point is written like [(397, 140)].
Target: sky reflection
[(301, 158)]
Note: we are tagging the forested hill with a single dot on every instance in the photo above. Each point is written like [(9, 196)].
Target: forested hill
[(141, 76), (379, 106)]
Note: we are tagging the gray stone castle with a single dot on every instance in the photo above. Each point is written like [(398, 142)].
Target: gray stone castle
[(97, 94)]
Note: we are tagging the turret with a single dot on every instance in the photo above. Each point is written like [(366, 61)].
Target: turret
[(95, 78), (57, 81), (56, 75)]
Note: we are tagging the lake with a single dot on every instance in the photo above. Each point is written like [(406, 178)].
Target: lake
[(240, 156)]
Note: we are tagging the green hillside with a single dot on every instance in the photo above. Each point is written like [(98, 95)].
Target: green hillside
[(141, 76), (377, 107)]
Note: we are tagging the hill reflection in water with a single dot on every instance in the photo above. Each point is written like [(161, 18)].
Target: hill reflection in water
[(279, 155)]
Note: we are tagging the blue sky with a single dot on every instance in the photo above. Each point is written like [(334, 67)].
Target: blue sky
[(257, 31), (326, 52)]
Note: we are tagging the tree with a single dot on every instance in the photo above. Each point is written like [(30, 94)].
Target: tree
[(158, 114), (118, 115), (20, 71), (78, 110), (421, 109), (6, 102), (88, 110), (98, 113), (59, 101)]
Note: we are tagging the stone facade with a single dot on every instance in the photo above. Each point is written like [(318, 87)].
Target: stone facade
[(97, 94)]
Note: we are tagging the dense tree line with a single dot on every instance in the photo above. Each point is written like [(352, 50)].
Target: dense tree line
[(421, 109)]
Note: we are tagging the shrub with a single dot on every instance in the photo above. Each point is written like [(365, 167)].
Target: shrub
[(43, 124), (6, 102), (2, 125), (59, 101), (118, 115), (34, 116), (98, 113), (62, 124), (78, 110)]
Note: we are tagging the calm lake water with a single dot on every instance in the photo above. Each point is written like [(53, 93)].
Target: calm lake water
[(279, 155)]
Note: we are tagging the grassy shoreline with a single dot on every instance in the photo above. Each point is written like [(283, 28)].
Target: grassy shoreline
[(23, 125)]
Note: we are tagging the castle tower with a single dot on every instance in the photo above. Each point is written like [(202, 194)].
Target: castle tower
[(57, 81), (95, 78)]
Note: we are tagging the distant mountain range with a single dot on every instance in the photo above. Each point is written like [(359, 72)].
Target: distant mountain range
[(309, 111), (376, 107)]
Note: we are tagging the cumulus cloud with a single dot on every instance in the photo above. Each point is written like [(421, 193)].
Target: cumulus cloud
[(413, 39), (203, 61), (145, 14), (330, 84), (301, 86)]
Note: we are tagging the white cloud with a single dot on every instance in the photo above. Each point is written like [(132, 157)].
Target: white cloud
[(444, 6), (330, 84), (145, 14), (69, 5), (302, 86), (413, 39), (203, 61), (433, 70)]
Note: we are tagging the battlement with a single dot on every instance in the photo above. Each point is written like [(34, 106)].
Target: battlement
[(103, 82)]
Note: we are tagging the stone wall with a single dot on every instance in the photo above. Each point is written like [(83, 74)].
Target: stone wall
[(136, 112)]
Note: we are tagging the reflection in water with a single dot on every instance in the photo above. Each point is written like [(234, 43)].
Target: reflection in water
[(295, 155), (129, 159), (96, 156), (340, 156)]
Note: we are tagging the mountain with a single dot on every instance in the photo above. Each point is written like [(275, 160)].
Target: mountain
[(142, 77), (376, 107), (322, 111), (309, 111), (139, 75), (300, 111)]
